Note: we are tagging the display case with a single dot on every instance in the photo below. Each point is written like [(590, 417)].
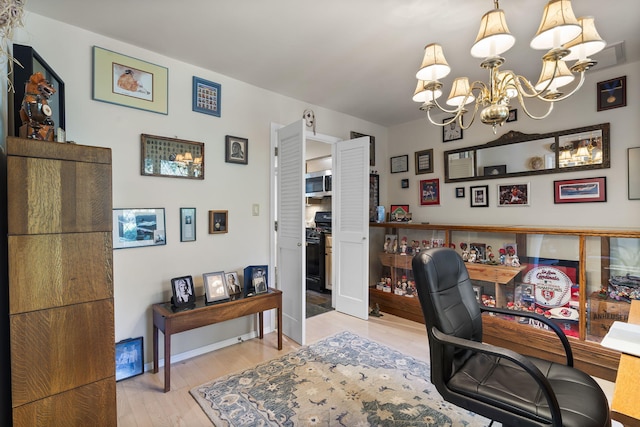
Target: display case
[(582, 279)]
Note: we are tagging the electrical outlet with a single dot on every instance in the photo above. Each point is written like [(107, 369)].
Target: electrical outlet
[(255, 209)]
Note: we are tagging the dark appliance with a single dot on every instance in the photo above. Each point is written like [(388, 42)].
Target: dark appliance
[(317, 184), (315, 251)]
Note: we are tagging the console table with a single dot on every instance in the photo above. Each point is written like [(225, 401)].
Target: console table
[(624, 405), (172, 322)]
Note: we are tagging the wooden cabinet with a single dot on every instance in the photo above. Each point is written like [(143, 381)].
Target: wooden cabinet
[(60, 284), (597, 257)]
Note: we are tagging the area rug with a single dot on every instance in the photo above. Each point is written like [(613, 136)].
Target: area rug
[(344, 380)]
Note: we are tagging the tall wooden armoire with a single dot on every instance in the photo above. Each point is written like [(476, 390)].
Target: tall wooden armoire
[(60, 277)]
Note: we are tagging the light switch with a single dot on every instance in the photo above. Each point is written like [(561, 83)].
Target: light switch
[(255, 209)]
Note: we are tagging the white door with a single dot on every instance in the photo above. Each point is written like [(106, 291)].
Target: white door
[(350, 229), (290, 255)]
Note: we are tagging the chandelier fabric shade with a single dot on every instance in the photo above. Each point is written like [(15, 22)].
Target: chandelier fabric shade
[(563, 36), (434, 65), (587, 43), (559, 25), (494, 37)]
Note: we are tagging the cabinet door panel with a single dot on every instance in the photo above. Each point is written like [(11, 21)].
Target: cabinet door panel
[(53, 196), (71, 268), (56, 350)]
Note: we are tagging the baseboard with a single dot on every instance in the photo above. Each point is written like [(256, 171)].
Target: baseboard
[(206, 349)]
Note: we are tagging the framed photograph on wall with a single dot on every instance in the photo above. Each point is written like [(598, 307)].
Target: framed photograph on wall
[(513, 115), (123, 80), (236, 150), (184, 294), (218, 222), (580, 190), (215, 287), (430, 192), (372, 146), (424, 161), (451, 131), (612, 93), (459, 192), (374, 196), (129, 358), (404, 183), (513, 194), (206, 97), (479, 196), (171, 157), (400, 164), (134, 228), (187, 224)]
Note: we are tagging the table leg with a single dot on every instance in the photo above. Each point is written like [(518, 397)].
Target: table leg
[(261, 324), (279, 310), (167, 360), (155, 349)]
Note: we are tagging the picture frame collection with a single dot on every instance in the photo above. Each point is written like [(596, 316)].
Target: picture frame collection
[(219, 286)]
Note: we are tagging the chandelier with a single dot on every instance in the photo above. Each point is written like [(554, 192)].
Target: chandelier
[(563, 36)]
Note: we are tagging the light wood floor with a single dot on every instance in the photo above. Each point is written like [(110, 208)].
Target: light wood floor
[(142, 402)]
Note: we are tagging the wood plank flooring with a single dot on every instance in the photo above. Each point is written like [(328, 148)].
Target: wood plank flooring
[(142, 402)]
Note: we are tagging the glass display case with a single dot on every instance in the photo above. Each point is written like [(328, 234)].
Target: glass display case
[(582, 279)]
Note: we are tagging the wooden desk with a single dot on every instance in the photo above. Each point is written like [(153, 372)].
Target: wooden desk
[(625, 405), (172, 322)]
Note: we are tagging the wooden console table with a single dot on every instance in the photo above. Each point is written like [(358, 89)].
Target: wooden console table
[(172, 322), (624, 405)]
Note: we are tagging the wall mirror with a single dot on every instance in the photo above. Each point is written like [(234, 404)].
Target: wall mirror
[(520, 154), (172, 157)]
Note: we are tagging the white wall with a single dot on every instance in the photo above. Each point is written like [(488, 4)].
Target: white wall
[(142, 275), (577, 111)]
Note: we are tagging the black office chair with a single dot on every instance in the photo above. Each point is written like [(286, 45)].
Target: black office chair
[(495, 382)]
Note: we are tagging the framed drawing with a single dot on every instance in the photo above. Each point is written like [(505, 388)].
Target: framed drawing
[(479, 196), (170, 157), (187, 224), (123, 80), (612, 93), (580, 190), (400, 164), (459, 192), (32, 63), (255, 280), (206, 97), (134, 228), (634, 172), (424, 161), (451, 131), (236, 150), (513, 194), (430, 192), (218, 222), (372, 146), (184, 295), (129, 358), (233, 284), (215, 287)]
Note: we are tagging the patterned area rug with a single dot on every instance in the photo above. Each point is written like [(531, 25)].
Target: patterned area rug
[(344, 380)]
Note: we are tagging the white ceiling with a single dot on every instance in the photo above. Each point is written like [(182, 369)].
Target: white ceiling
[(358, 57)]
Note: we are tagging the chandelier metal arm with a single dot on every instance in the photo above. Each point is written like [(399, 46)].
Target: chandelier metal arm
[(460, 111)]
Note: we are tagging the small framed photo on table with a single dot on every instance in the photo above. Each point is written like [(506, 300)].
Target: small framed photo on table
[(256, 280), (184, 295), (233, 284), (215, 287)]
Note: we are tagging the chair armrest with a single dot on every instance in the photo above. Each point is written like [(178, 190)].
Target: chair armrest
[(526, 364), (555, 328)]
